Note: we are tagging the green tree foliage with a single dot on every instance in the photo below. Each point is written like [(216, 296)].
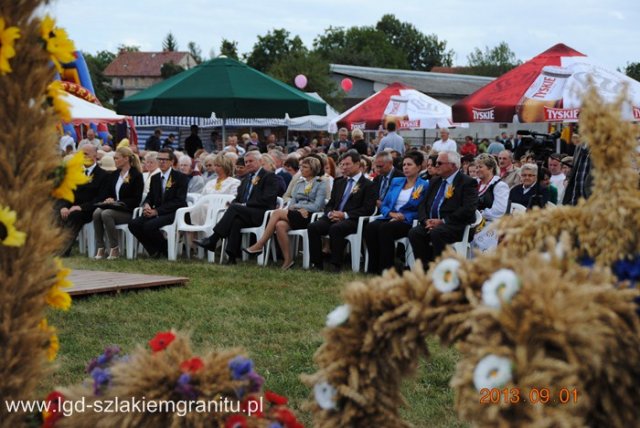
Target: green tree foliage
[(169, 69), (229, 49), (273, 47), (128, 48), (492, 62), (195, 52), (96, 64), (316, 70), (633, 70), (170, 44), (363, 46), (423, 52)]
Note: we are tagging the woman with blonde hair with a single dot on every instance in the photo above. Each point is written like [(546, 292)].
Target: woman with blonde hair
[(124, 193), (308, 197), (224, 183)]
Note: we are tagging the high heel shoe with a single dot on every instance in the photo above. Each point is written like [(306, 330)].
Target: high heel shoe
[(288, 266), (253, 253), (99, 254), (114, 253)]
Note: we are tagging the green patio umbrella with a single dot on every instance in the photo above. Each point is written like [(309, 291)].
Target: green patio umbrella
[(224, 87)]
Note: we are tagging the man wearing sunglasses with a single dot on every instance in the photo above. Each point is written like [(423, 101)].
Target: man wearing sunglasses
[(167, 193), (450, 205)]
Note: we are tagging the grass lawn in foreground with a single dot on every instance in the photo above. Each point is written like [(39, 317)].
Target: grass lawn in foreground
[(275, 316)]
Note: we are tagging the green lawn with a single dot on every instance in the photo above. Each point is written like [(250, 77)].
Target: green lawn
[(277, 317)]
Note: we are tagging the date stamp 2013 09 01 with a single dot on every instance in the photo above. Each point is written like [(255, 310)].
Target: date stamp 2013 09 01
[(531, 395)]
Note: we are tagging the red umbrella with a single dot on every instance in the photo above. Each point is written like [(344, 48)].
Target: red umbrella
[(504, 100), (409, 108)]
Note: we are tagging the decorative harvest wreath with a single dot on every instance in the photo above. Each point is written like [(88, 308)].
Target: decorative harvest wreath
[(546, 325)]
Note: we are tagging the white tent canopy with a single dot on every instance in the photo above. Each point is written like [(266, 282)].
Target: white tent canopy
[(83, 112)]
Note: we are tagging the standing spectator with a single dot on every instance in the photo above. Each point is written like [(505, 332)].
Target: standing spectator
[(342, 144), (169, 142), (123, 194), (557, 178), (392, 140), (91, 139), (351, 197), (193, 142), (469, 148), (359, 144), (167, 193), (495, 148), (444, 144), (153, 142), (580, 182), (67, 144), (483, 146), (508, 172), (506, 141), (450, 205)]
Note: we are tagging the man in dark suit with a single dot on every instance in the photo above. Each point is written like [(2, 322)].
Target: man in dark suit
[(529, 193), (385, 172), (75, 215), (257, 193), (167, 193), (352, 196), (449, 206)]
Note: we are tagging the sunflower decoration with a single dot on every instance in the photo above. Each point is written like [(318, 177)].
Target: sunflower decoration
[(9, 236), (8, 35), (55, 98), (56, 297), (69, 176), (53, 343), (58, 44)]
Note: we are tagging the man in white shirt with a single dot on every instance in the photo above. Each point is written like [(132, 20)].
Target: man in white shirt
[(67, 144), (444, 144), (233, 146), (91, 139), (557, 176)]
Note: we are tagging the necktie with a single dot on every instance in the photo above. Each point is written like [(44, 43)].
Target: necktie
[(249, 188), (383, 187), (86, 172), (164, 183), (435, 206), (345, 196)]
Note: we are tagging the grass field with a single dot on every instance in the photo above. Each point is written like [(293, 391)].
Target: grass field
[(277, 317)]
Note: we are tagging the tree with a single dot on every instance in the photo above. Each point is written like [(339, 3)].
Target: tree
[(423, 52), (169, 69), (170, 44), (633, 70), (316, 70), (229, 49), (492, 62), (96, 65), (273, 47), (363, 46), (128, 48), (195, 52)]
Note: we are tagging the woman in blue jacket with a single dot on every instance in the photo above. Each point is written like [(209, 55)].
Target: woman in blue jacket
[(399, 209)]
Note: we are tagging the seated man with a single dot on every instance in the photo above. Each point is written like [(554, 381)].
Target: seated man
[(167, 193), (529, 193), (450, 205), (257, 194), (352, 196), (74, 216), (385, 172)]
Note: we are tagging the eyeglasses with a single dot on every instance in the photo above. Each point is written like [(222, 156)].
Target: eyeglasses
[(163, 159), (438, 163)]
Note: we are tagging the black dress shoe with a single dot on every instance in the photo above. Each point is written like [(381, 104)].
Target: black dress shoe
[(207, 243), (253, 253)]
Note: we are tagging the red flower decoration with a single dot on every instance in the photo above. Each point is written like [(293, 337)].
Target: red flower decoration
[(50, 417), (193, 365), (161, 341), (275, 399), (236, 421), (287, 418)]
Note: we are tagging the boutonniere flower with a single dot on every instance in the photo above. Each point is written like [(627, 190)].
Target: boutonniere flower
[(416, 192), (169, 183), (355, 189), (126, 179), (449, 192), (307, 188), (255, 181)]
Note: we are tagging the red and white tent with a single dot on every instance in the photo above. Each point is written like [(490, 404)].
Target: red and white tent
[(409, 108), (547, 88)]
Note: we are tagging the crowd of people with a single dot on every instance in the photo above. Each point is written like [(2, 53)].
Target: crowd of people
[(427, 194)]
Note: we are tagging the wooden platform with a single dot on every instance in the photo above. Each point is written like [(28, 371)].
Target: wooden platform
[(92, 281)]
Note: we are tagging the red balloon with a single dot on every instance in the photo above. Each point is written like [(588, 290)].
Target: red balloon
[(346, 84)]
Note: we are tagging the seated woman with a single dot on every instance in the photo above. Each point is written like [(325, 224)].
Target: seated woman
[(307, 198), (493, 198), (124, 193), (399, 209), (223, 183), (196, 181)]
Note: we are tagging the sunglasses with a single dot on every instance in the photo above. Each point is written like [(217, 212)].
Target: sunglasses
[(438, 163)]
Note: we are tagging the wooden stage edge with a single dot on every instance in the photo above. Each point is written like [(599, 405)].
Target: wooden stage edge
[(93, 282)]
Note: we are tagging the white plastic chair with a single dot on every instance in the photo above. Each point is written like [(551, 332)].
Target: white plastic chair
[(355, 241), (214, 205), (126, 239), (192, 198), (87, 240), (518, 209), (302, 235), (258, 231), (462, 247)]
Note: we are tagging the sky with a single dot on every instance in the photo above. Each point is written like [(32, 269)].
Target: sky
[(606, 31)]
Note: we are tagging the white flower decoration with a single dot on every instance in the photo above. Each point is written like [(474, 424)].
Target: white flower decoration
[(445, 275), (338, 316), (325, 395), (502, 286), (492, 372)]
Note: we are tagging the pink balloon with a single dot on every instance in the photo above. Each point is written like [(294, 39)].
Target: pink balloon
[(346, 84), (300, 81)]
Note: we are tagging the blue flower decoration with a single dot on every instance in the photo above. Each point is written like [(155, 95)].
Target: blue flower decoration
[(240, 366), (101, 380), (184, 387), (275, 425)]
